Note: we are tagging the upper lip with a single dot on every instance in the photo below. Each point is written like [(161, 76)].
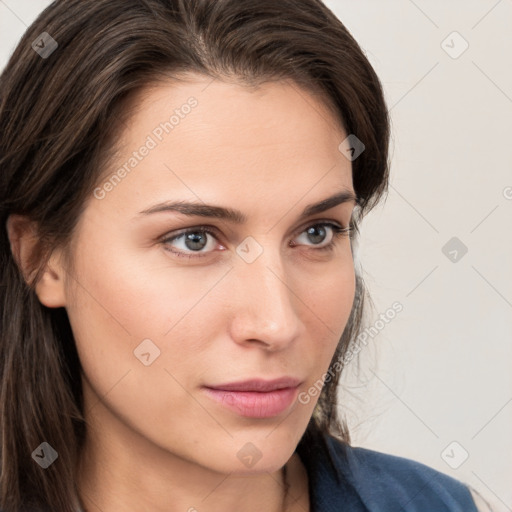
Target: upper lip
[(259, 384)]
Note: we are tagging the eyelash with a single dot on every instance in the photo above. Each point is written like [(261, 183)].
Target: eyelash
[(338, 233)]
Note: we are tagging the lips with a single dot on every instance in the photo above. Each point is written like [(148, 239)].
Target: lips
[(260, 385), (256, 398)]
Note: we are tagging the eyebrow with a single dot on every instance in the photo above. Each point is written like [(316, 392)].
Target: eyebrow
[(236, 216)]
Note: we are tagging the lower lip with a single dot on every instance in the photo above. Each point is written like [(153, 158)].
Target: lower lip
[(254, 404)]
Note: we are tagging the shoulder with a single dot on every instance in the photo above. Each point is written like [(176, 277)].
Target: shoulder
[(343, 477), (385, 482)]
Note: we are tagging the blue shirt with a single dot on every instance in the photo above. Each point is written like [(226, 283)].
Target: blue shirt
[(351, 479)]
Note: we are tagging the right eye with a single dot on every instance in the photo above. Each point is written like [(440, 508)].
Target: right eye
[(191, 242)]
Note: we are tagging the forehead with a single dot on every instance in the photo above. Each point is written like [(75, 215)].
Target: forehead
[(229, 116), (202, 137)]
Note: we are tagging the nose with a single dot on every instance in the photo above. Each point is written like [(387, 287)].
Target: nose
[(265, 307)]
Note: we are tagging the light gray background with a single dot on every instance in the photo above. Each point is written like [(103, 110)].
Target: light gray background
[(440, 371)]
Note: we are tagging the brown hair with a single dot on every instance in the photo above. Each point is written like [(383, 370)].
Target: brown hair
[(59, 117)]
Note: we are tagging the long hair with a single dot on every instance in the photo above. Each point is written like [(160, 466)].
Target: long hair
[(63, 95)]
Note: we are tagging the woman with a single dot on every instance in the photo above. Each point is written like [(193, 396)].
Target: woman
[(182, 187)]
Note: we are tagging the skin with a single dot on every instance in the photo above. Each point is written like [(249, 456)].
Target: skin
[(155, 441)]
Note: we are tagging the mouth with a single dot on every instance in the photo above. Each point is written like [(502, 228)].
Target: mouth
[(256, 398)]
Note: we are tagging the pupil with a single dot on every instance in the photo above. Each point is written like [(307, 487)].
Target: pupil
[(316, 238), (193, 240)]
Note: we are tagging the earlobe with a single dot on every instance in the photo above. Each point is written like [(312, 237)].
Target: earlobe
[(50, 288), (23, 238)]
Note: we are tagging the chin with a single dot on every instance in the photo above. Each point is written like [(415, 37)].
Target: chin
[(259, 451)]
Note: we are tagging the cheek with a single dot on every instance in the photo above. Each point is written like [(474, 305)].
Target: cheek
[(125, 314), (119, 303), (329, 300), (329, 295)]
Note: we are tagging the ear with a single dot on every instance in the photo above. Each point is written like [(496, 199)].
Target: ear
[(23, 237)]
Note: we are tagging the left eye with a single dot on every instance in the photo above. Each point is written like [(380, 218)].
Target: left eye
[(195, 240), (317, 234)]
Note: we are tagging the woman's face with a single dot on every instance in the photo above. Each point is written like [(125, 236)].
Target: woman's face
[(161, 310)]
